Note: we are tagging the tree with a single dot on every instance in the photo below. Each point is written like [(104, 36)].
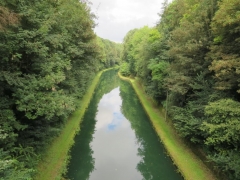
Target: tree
[(48, 56), (222, 134), (224, 51)]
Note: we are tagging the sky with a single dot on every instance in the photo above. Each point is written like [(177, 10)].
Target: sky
[(116, 17)]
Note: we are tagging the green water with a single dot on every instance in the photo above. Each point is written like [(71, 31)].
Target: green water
[(117, 141)]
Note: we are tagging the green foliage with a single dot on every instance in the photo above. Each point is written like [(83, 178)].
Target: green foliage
[(7, 18), (223, 124), (194, 58), (188, 119), (12, 169), (156, 88), (189, 44), (134, 49), (228, 162), (187, 124), (225, 52), (109, 52), (49, 54), (140, 52), (125, 69), (179, 152), (158, 69), (222, 134)]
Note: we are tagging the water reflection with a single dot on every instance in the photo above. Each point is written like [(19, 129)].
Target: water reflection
[(114, 148), (109, 110), (117, 141), (82, 161), (154, 164)]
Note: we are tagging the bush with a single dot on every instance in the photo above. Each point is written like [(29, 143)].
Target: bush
[(125, 69)]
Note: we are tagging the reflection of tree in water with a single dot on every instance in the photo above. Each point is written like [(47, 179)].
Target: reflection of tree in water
[(82, 163), (155, 165), (108, 81)]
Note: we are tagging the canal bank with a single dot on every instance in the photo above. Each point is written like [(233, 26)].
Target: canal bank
[(55, 161), (190, 166), (117, 140)]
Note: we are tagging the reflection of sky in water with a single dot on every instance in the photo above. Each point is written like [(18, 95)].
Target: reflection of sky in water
[(114, 145), (118, 153), (117, 119), (109, 114)]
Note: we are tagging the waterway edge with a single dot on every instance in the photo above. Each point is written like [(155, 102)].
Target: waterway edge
[(55, 161), (189, 165)]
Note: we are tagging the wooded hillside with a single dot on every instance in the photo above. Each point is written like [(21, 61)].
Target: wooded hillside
[(48, 56), (190, 63)]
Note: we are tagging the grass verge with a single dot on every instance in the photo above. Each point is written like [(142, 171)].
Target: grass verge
[(189, 165), (55, 160)]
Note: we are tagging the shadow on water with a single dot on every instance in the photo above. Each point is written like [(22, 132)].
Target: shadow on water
[(119, 146)]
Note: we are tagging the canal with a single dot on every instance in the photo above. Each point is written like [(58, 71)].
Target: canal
[(117, 141)]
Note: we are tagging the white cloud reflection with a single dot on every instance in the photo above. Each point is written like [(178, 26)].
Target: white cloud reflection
[(109, 113), (114, 149)]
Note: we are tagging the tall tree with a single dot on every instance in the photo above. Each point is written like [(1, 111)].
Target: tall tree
[(48, 56), (225, 50)]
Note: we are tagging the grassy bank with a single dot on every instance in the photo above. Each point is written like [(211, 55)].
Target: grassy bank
[(190, 166), (56, 157)]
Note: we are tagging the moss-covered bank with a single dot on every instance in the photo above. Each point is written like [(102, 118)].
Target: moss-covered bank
[(190, 166), (55, 160)]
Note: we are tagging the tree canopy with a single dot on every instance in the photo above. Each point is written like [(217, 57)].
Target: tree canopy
[(191, 59), (49, 54)]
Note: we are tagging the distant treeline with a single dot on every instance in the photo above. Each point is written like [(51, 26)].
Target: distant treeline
[(48, 56), (190, 63)]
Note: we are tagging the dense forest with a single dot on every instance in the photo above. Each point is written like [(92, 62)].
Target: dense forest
[(49, 54), (190, 63)]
